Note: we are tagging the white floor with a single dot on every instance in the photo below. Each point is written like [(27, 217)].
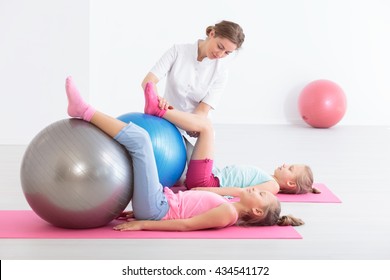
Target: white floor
[(353, 161)]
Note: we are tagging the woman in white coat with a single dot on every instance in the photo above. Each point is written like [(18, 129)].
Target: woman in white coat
[(195, 74)]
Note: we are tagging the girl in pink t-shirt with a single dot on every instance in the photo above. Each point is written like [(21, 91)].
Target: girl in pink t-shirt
[(158, 208)]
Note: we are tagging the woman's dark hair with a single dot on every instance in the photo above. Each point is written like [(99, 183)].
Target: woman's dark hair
[(229, 30)]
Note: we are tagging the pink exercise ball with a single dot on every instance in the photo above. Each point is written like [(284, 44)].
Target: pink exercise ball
[(322, 104)]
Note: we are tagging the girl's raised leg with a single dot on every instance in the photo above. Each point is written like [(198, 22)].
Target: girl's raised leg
[(199, 173), (78, 108), (149, 201), (204, 148)]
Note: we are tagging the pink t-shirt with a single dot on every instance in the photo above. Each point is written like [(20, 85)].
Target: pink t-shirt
[(188, 204)]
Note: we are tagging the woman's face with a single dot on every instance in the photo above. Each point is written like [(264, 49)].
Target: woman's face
[(219, 47)]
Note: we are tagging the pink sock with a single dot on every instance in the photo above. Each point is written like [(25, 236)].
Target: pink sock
[(77, 107), (151, 102)]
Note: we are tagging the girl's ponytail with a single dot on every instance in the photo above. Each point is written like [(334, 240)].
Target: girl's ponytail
[(289, 220)]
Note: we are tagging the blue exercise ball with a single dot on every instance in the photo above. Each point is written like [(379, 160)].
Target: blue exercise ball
[(168, 145), (74, 175)]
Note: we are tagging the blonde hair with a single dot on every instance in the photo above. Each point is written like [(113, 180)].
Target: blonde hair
[(271, 217), (304, 183), (229, 30)]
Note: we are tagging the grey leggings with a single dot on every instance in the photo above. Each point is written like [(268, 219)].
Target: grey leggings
[(149, 201)]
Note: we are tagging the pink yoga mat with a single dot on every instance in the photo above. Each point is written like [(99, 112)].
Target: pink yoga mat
[(26, 224), (326, 196)]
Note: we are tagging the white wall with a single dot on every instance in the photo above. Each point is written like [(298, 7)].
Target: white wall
[(289, 43), (109, 46), (41, 42)]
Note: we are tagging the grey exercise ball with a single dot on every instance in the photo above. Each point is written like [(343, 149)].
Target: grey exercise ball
[(74, 175)]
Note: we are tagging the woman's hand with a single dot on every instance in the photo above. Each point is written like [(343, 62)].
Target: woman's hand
[(132, 225), (163, 103)]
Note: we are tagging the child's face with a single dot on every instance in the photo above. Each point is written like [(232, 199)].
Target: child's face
[(288, 173), (254, 198)]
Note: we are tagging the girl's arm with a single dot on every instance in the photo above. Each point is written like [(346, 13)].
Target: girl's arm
[(270, 186), (218, 217)]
